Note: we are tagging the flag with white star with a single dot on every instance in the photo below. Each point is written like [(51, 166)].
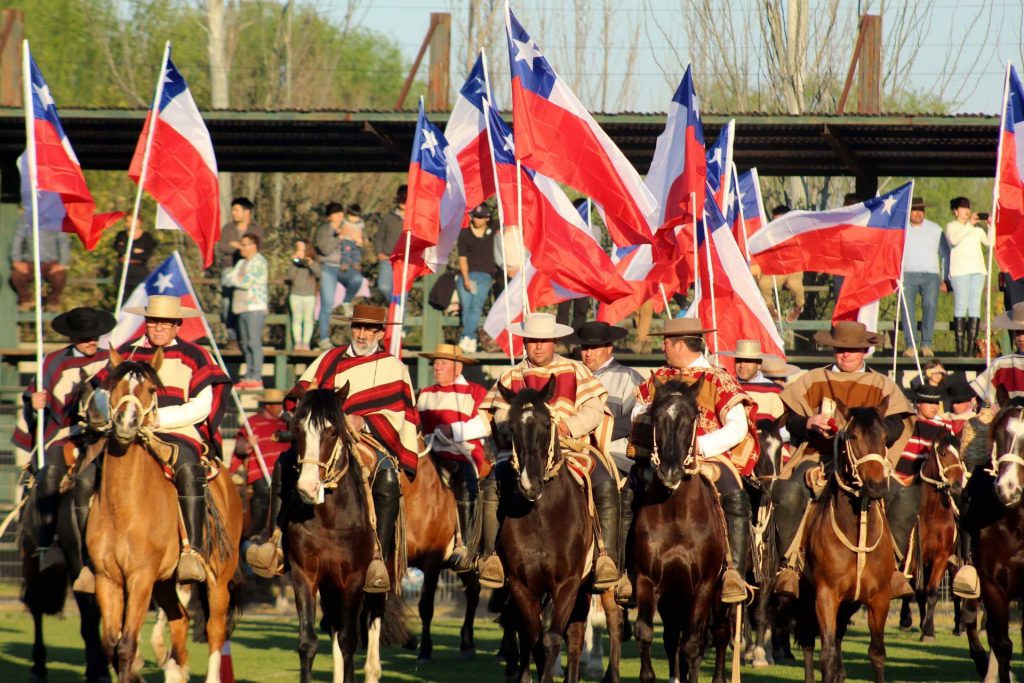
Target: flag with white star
[(1008, 225), (719, 165)]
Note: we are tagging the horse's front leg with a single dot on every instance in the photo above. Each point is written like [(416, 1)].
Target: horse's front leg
[(110, 598), (613, 624), (471, 587), (373, 668), (826, 608), (95, 660), (305, 605), (906, 615), (566, 601), (997, 609), (878, 612), (644, 625), (175, 665), (39, 672), (431, 572), (528, 610), (140, 593)]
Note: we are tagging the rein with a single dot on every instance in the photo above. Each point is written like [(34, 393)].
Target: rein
[(332, 475), (690, 465), (1010, 456), (550, 466)]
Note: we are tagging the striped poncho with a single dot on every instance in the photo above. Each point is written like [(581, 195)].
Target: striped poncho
[(454, 405)]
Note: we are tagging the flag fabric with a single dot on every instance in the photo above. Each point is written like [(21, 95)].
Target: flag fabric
[(1009, 191), (749, 189), (58, 171), (181, 171), (558, 137), (719, 165), (467, 136), (739, 309), (540, 291), (428, 177), (863, 242), (169, 278), (51, 209), (734, 215)]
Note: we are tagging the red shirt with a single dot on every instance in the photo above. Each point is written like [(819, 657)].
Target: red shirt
[(263, 426)]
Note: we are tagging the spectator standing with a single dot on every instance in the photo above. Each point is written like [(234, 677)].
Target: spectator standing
[(249, 282), (924, 259), (143, 245), (967, 273), (303, 276), (388, 232), (54, 256), (476, 272), (340, 253), (229, 251)]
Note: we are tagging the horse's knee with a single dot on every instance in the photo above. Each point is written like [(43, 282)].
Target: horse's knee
[(307, 644), (644, 632), (552, 641)]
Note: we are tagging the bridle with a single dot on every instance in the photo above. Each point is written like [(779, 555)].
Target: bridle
[(551, 467), (856, 484), (942, 484), (332, 474), (1017, 431), (689, 465)]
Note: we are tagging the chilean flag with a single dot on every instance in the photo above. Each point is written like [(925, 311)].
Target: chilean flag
[(557, 136), (467, 135), (540, 290), (181, 171), (739, 309), (719, 165), (751, 204), (863, 242), (169, 278), (58, 170), (1009, 191)]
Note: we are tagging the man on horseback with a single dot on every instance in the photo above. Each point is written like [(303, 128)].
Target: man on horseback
[(811, 403), (928, 426), (761, 390), (726, 438), (64, 371), (455, 432), (188, 415), (381, 411), (265, 425), (579, 410)]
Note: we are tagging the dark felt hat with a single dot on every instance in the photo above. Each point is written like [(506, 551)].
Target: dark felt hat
[(83, 323), (847, 334), (481, 211), (926, 393), (596, 333), (959, 389)]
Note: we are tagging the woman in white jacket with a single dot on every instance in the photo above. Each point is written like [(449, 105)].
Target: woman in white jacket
[(967, 273)]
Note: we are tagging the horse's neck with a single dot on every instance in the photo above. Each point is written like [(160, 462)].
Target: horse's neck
[(128, 474), (848, 507)]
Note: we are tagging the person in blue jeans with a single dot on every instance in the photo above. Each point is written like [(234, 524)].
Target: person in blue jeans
[(967, 270), (925, 259), (328, 251), (388, 231), (476, 272)]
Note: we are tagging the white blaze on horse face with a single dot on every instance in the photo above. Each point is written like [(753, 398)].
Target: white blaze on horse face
[(1009, 484), (672, 410), (309, 484), (372, 668)]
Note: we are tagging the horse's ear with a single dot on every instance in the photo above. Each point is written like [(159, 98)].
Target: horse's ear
[(115, 357), (82, 376), (506, 393), (1002, 396), (158, 359), (548, 392), (342, 394), (843, 409), (313, 385)]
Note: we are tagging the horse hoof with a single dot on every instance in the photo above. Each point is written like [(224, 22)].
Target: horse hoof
[(36, 678), (927, 639), (424, 660), (467, 655)]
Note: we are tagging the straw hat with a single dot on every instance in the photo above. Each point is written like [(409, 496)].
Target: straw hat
[(166, 307), (746, 349), (450, 352), (1013, 319), (683, 327), (83, 323), (777, 368), (272, 396), (364, 313), (540, 326), (847, 334)]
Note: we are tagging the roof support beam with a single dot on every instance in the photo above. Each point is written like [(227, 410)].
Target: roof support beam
[(867, 181)]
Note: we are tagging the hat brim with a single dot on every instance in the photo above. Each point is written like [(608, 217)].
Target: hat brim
[(1004, 322), (104, 323), (825, 338), (734, 354), (559, 332), (184, 312), (368, 321), (962, 396), (787, 371), (465, 360), (615, 334), (687, 333)]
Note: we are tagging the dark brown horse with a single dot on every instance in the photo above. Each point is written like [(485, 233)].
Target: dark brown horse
[(430, 529), (133, 536), (545, 541), (848, 549), (942, 476), (678, 544)]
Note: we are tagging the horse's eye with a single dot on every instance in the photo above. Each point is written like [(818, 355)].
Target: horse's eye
[(152, 391)]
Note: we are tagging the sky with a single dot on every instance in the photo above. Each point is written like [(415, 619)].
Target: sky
[(980, 84)]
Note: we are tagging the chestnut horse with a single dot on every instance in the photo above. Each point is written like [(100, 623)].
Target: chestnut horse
[(133, 536), (942, 476), (679, 544), (545, 541), (429, 530), (848, 549), (328, 538)]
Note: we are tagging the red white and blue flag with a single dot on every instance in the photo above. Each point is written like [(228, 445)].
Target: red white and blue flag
[(719, 165), (181, 170), (739, 309), (751, 204), (58, 174), (862, 242), (467, 135), (557, 136), (1009, 190), (169, 278)]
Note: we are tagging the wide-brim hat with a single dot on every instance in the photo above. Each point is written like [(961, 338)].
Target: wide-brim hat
[(926, 393), (164, 306), (847, 334), (683, 327), (917, 203), (596, 333), (773, 367), (746, 349), (83, 323), (480, 211), (1012, 319), (540, 326), (450, 352), (959, 389), (365, 313), (272, 396)]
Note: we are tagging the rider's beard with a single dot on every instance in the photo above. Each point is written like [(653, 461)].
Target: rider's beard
[(362, 348)]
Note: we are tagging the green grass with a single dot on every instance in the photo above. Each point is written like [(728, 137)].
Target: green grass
[(263, 649)]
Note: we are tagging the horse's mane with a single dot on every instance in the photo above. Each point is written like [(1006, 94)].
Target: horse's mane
[(131, 368), (527, 399), (864, 417), (322, 408), (671, 392)]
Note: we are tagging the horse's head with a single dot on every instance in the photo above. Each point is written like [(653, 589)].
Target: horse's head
[(535, 449), (863, 466), (131, 387), (674, 413), (1007, 435), (943, 468), (321, 439), (768, 466)]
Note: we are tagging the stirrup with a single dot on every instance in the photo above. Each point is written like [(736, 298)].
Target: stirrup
[(50, 557), (606, 574), (966, 584), (734, 588), (266, 559), (85, 583), (190, 567), (899, 586), (624, 590), (492, 574), (787, 583), (377, 579)]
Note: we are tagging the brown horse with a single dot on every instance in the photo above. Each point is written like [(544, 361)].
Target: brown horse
[(328, 538), (133, 534), (848, 549), (545, 540), (430, 529), (678, 544), (942, 476)]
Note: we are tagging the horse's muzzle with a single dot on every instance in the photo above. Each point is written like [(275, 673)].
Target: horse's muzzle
[(530, 488), (670, 477), (875, 490), (310, 491)]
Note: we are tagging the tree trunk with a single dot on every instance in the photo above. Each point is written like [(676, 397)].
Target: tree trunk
[(217, 47)]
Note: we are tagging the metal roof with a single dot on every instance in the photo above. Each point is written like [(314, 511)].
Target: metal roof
[(379, 141)]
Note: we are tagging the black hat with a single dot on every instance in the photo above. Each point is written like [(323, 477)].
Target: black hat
[(332, 208), (481, 211), (83, 323), (596, 333), (959, 389), (959, 203), (926, 393)]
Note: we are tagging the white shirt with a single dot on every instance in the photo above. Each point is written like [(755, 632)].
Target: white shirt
[(192, 412)]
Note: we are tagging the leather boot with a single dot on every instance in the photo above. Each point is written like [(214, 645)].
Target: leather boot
[(606, 502), (85, 486), (47, 500), (736, 506), (971, 337), (266, 559), (791, 499), (624, 588), (492, 574), (902, 505), (387, 495), (190, 563), (465, 489), (959, 325)]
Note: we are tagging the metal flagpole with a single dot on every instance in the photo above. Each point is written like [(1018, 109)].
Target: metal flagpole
[(992, 227), (153, 113), (33, 175), (664, 298), (910, 329)]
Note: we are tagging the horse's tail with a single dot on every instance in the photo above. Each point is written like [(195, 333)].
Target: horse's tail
[(394, 626), (216, 532), (199, 609)]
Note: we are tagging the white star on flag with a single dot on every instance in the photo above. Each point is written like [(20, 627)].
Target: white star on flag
[(526, 52), (163, 282), (508, 146), (888, 203), (429, 142), (717, 158), (43, 93), (167, 77)]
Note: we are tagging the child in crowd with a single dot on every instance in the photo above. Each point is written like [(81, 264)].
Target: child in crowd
[(303, 274)]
